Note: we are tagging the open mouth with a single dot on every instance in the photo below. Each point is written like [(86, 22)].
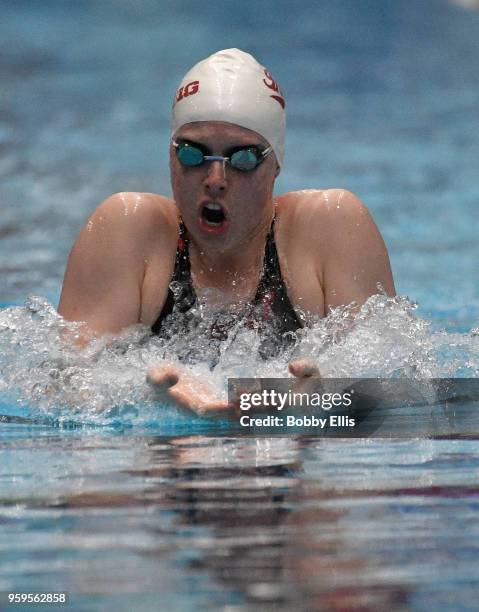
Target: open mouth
[(213, 214)]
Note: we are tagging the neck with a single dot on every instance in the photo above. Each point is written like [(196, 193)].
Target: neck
[(238, 267)]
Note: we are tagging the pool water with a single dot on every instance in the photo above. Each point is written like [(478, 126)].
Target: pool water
[(152, 522), (127, 504)]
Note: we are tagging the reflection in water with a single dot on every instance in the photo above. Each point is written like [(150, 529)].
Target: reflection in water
[(277, 523), (208, 522), (271, 539)]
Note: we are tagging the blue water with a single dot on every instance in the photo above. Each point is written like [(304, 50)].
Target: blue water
[(382, 99)]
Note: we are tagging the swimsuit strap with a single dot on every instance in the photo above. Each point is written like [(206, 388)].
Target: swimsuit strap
[(180, 291), (182, 271), (272, 295), (271, 273)]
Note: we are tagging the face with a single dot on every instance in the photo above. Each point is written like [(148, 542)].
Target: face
[(222, 206)]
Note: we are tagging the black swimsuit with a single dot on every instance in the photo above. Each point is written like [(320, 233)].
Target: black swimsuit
[(270, 312)]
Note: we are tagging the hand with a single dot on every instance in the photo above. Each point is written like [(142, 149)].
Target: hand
[(177, 386), (307, 373), (304, 368)]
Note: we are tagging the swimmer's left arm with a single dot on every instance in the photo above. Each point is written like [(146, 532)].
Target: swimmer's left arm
[(352, 258)]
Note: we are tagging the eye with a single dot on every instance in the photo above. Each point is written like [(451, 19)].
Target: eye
[(245, 159), (189, 155)]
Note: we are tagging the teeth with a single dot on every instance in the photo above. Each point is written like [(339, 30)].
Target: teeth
[(213, 206)]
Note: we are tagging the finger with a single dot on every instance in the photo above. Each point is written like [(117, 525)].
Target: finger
[(302, 368), (200, 403), (213, 408), (163, 376), (194, 394), (185, 390)]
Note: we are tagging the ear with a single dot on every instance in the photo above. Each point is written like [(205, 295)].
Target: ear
[(278, 170)]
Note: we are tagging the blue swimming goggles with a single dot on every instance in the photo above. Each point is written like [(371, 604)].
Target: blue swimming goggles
[(244, 158)]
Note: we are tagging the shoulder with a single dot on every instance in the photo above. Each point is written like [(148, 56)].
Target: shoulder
[(125, 231), (323, 204), (106, 282), (324, 214), (134, 209), (334, 231), (133, 220)]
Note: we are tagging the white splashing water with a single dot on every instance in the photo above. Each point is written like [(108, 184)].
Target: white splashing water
[(106, 381)]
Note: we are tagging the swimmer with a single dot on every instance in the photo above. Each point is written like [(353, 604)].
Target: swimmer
[(278, 261)]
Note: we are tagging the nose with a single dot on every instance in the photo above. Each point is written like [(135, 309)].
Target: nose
[(215, 180)]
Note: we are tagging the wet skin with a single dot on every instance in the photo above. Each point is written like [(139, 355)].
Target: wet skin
[(330, 251)]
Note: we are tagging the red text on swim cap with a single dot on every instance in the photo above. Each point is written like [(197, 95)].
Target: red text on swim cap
[(272, 84), (187, 90)]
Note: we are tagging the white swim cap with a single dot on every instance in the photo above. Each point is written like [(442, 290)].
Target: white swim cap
[(231, 86)]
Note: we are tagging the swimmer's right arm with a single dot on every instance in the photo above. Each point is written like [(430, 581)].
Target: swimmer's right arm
[(120, 265), (177, 386), (118, 274)]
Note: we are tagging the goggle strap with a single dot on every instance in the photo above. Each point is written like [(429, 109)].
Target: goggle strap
[(266, 152)]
